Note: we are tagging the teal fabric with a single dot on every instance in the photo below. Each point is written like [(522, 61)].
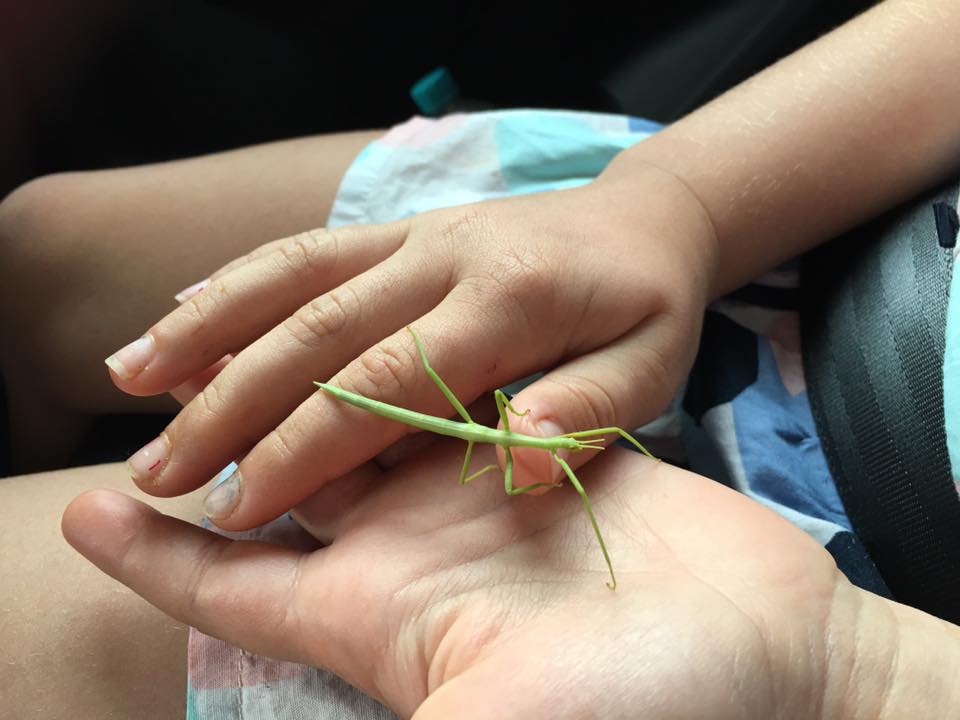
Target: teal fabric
[(458, 159), (540, 151), (951, 377)]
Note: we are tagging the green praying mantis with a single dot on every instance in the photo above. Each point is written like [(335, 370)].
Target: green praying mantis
[(475, 433)]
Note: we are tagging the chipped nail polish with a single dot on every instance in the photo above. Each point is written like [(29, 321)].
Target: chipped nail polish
[(130, 361), (187, 293), (147, 463), (223, 498)]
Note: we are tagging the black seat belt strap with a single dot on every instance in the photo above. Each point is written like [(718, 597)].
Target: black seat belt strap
[(873, 318)]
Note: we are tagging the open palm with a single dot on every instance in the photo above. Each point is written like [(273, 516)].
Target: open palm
[(446, 601)]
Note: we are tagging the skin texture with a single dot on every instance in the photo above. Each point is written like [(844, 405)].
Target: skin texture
[(76, 644), (505, 439), (544, 274), (120, 244), (459, 585), (835, 134), (475, 272), (432, 593), (737, 600)]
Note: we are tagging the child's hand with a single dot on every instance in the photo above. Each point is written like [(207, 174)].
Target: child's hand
[(605, 284), (459, 602)]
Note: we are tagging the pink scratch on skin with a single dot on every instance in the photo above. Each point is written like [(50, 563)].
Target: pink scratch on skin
[(155, 465), (783, 331)]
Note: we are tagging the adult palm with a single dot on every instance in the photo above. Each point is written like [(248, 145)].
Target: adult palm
[(445, 601)]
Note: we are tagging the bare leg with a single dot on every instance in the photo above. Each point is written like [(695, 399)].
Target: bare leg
[(76, 643), (89, 260)]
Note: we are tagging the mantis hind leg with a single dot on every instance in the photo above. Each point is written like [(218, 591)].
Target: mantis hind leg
[(508, 478), (593, 520), (609, 431), (464, 478)]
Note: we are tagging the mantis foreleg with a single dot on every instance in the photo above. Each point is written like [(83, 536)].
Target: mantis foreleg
[(447, 392), (457, 405), (609, 430)]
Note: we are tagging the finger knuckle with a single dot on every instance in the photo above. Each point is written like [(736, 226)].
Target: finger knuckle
[(595, 405), (478, 299), (655, 374), (263, 251), (199, 592), (196, 316), (283, 443), (323, 317), (257, 253), (233, 265), (383, 371), (524, 284), (290, 614), (310, 255), (527, 276), (209, 403), (465, 224), (516, 277), (516, 286)]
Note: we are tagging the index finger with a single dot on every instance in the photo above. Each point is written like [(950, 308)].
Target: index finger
[(325, 437), (241, 306)]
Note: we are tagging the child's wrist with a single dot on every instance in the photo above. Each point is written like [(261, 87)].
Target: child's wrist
[(634, 182)]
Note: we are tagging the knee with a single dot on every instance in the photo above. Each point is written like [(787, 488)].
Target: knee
[(21, 214), (44, 255), (42, 210), (17, 213), (45, 264), (33, 245)]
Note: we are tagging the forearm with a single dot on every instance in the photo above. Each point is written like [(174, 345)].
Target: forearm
[(859, 120), (889, 661)]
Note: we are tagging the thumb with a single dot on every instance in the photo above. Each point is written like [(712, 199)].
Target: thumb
[(623, 384), (192, 574)]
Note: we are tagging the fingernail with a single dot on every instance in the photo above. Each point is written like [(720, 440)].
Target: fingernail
[(224, 498), (548, 428), (147, 462), (189, 292), (130, 361)]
